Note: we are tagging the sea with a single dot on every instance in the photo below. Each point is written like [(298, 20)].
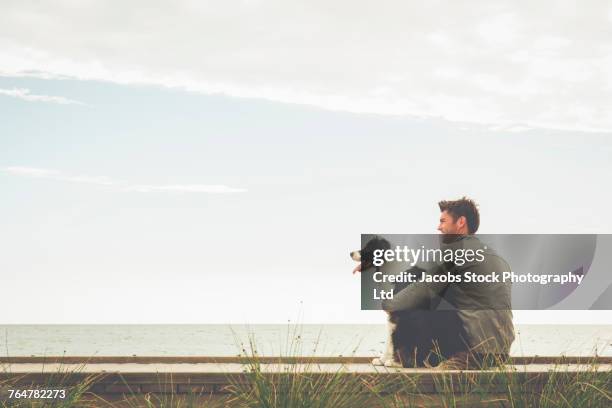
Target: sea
[(286, 340)]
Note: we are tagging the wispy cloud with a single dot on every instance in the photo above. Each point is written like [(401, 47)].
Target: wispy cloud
[(120, 185), (187, 188), (495, 67), (24, 93), (58, 175)]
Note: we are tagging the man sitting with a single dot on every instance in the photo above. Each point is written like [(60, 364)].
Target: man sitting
[(480, 319)]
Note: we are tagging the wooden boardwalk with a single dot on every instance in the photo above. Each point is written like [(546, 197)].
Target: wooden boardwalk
[(114, 378)]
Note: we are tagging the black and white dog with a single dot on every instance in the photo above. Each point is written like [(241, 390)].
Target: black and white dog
[(365, 256), (415, 338)]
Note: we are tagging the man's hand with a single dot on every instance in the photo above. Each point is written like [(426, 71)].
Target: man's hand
[(357, 268)]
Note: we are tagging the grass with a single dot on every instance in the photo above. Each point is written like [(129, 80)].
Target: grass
[(585, 388), (73, 382), (501, 384), (284, 384), (506, 385)]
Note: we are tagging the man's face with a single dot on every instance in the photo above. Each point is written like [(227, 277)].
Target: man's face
[(448, 225)]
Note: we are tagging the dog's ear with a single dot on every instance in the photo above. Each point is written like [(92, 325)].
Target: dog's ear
[(385, 244), (379, 242)]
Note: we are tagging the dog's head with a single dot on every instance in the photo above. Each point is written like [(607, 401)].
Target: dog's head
[(366, 254)]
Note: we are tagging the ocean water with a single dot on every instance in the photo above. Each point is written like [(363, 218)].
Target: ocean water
[(226, 340)]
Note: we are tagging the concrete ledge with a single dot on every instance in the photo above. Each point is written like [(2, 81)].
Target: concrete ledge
[(268, 360)]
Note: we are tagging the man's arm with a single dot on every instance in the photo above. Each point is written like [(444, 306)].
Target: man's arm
[(416, 295)]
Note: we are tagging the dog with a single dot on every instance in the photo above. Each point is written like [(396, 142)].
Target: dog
[(415, 338), (365, 256)]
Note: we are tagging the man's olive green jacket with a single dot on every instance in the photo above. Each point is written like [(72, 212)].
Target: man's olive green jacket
[(484, 309)]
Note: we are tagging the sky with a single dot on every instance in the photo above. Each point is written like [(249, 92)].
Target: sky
[(207, 162)]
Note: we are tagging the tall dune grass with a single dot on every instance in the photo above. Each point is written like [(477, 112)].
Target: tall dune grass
[(287, 385), (500, 384), (294, 381), (71, 380)]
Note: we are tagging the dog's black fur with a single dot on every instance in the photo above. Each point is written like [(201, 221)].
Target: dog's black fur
[(366, 254), (421, 337)]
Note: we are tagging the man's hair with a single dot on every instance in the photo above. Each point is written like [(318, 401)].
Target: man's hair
[(464, 207)]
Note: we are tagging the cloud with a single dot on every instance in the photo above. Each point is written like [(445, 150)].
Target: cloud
[(121, 185), (57, 175), (23, 93), (190, 188), (495, 63)]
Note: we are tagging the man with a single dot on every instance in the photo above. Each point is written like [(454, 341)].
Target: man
[(483, 310)]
